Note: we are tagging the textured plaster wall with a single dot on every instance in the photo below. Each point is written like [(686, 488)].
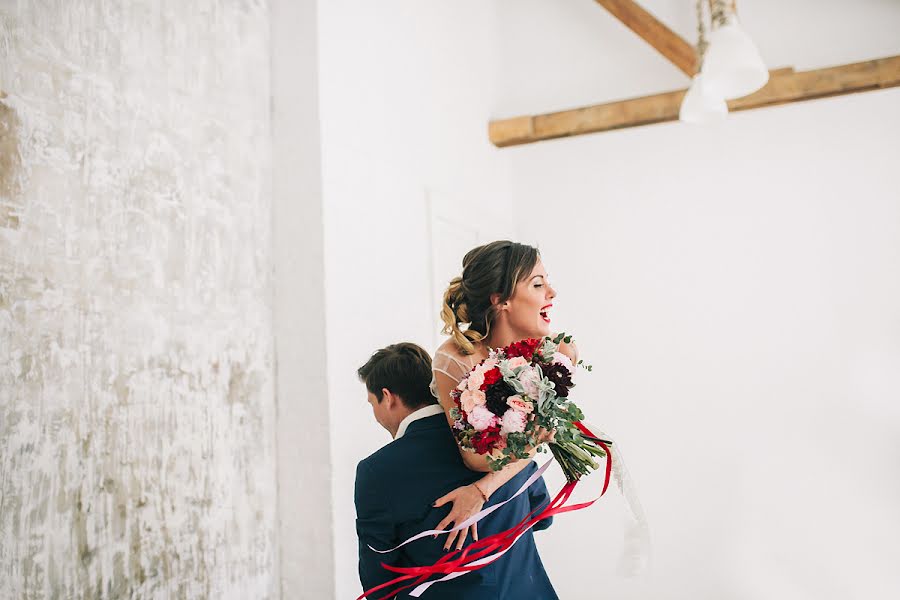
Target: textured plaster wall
[(136, 394)]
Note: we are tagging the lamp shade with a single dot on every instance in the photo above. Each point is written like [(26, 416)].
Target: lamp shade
[(732, 65), (700, 104)]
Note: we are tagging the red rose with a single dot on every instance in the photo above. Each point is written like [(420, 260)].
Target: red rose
[(513, 350), (487, 440), (491, 377), (523, 348)]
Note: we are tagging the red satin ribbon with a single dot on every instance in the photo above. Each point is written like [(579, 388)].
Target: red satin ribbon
[(499, 542)]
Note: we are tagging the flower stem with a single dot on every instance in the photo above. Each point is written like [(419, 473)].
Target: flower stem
[(563, 459)]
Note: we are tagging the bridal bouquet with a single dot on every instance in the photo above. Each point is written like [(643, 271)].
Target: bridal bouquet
[(504, 403)]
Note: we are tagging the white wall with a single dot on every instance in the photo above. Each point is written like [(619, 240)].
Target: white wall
[(136, 394), (406, 89), (763, 315), (737, 289), (304, 465), (137, 398)]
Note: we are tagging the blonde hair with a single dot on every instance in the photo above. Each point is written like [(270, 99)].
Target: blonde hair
[(454, 311), (490, 269)]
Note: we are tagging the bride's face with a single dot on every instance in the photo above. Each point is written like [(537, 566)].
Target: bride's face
[(528, 309)]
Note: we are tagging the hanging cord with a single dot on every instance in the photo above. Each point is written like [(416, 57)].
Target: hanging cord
[(702, 43), (720, 12)]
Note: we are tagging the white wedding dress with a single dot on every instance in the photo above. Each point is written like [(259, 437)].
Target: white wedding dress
[(635, 559)]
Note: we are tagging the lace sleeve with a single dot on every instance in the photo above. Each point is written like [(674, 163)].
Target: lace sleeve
[(450, 366)]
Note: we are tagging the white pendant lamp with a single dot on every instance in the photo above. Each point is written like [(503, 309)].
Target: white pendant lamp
[(700, 103), (732, 66)]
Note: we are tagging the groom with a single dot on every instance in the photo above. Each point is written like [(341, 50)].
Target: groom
[(397, 485)]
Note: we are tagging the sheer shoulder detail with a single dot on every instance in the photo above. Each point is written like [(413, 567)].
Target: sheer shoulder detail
[(449, 365)]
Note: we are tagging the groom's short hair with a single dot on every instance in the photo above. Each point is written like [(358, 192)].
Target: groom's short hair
[(404, 369)]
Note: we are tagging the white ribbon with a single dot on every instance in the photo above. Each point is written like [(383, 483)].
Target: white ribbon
[(477, 516), (481, 561), (635, 559)]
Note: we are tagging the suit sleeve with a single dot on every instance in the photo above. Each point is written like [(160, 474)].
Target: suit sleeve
[(375, 528), (540, 498)]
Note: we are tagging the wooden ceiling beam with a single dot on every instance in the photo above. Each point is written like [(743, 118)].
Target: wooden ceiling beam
[(654, 32), (785, 86)]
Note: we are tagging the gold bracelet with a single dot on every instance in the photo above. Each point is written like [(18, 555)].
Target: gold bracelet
[(480, 491)]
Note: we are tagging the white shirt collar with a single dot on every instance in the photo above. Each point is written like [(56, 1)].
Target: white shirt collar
[(425, 411)]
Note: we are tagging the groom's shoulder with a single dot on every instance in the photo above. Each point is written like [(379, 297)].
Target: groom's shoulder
[(376, 459), (382, 462), (429, 444), (382, 469)]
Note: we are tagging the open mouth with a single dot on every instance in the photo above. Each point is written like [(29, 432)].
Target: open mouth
[(545, 313)]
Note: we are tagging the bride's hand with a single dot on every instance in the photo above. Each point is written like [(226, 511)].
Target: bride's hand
[(467, 501), (542, 435)]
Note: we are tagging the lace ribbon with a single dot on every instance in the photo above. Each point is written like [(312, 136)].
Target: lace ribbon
[(636, 554)]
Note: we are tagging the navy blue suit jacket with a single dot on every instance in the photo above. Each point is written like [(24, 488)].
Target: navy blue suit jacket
[(395, 489)]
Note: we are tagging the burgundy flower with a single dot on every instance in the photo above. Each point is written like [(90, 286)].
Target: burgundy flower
[(559, 376), (496, 395)]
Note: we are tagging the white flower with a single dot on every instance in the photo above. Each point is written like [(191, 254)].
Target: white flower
[(481, 418), (513, 422), (529, 380)]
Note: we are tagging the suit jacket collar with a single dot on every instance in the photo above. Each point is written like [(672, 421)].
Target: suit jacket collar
[(423, 413)]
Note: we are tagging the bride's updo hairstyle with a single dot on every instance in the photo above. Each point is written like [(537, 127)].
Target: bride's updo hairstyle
[(494, 268)]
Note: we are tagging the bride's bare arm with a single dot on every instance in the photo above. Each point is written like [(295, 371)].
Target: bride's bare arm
[(468, 500), (570, 350)]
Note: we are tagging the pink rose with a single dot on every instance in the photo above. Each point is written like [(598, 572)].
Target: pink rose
[(516, 362), (513, 422), (489, 364), (476, 379), (481, 418), (516, 402), (470, 399)]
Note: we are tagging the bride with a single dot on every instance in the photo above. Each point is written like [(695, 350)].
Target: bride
[(503, 296)]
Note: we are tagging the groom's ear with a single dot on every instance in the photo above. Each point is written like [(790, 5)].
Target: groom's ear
[(388, 398)]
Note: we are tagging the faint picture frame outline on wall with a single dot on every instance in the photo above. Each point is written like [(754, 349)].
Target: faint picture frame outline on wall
[(449, 238)]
